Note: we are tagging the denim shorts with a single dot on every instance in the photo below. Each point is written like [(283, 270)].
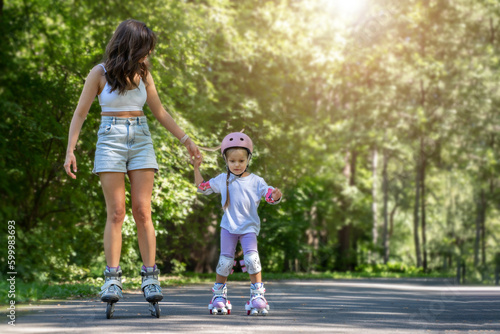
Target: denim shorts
[(123, 144)]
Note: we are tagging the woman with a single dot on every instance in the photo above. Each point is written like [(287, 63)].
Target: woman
[(124, 146)]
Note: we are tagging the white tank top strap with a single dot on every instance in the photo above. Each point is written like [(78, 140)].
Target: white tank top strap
[(103, 68)]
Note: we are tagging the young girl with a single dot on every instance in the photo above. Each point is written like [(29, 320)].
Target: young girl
[(124, 84), (241, 193)]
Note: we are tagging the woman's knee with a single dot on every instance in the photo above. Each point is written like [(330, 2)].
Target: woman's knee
[(142, 214), (116, 215)]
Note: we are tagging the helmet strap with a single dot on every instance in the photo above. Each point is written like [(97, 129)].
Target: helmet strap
[(238, 175)]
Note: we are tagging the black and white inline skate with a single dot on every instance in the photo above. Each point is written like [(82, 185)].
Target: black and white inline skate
[(111, 291), (257, 305), (219, 303), (151, 289)]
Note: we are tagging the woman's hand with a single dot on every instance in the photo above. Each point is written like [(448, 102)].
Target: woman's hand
[(194, 152), (276, 194), (70, 162)]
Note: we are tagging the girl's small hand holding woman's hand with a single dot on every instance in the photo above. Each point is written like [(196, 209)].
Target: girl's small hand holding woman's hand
[(197, 161), (276, 194)]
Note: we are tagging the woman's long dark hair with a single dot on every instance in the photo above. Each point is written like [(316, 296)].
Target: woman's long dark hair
[(131, 42)]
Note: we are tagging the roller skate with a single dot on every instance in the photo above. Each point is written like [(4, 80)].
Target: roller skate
[(151, 289), (219, 303), (111, 291), (257, 303)]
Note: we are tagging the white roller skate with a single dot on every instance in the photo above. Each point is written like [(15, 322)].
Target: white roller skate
[(219, 303), (151, 289), (257, 305), (111, 291)]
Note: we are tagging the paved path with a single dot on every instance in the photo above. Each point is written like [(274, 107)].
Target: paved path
[(318, 306)]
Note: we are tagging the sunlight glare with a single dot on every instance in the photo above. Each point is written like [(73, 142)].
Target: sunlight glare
[(348, 7)]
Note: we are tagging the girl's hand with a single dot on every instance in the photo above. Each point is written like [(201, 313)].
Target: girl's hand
[(197, 161), (70, 162), (276, 194), (194, 152)]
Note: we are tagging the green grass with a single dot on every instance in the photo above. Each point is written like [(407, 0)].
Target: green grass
[(35, 292), (32, 292)]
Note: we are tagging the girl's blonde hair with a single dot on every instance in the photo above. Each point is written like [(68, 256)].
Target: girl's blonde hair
[(229, 151)]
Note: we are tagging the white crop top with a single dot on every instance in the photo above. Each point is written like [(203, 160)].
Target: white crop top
[(132, 100)]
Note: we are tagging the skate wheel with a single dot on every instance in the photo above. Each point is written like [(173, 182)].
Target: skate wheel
[(155, 311), (110, 309)]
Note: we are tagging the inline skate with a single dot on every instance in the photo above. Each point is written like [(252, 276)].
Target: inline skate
[(111, 291), (151, 289)]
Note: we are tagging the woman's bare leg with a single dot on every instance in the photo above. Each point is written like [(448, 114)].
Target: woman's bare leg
[(113, 187), (141, 182)]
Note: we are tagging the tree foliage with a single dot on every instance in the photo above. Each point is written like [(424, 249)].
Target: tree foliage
[(318, 89)]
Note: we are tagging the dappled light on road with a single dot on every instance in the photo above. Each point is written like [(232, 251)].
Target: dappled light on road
[(327, 306)]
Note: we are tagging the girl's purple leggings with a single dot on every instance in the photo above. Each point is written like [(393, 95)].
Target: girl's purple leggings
[(228, 242)]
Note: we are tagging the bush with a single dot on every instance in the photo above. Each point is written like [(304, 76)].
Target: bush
[(393, 267)]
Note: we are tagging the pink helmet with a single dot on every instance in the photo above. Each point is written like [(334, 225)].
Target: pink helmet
[(236, 139)]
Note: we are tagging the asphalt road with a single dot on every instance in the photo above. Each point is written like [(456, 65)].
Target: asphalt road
[(317, 306)]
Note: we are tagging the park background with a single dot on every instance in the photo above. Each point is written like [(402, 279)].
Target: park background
[(378, 120)]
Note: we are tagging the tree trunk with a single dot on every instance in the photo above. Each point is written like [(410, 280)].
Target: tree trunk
[(422, 201), (386, 199), (344, 236), (478, 231), (374, 198), (312, 238), (483, 228), (286, 263), (415, 213), (206, 254), (391, 219), (352, 258), (346, 258)]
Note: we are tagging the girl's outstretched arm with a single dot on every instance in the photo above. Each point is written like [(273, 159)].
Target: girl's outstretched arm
[(197, 174), (203, 186)]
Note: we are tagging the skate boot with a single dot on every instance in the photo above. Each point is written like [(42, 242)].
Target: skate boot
[(219, 303), (151, 289), (257, 303), (111, 291)]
